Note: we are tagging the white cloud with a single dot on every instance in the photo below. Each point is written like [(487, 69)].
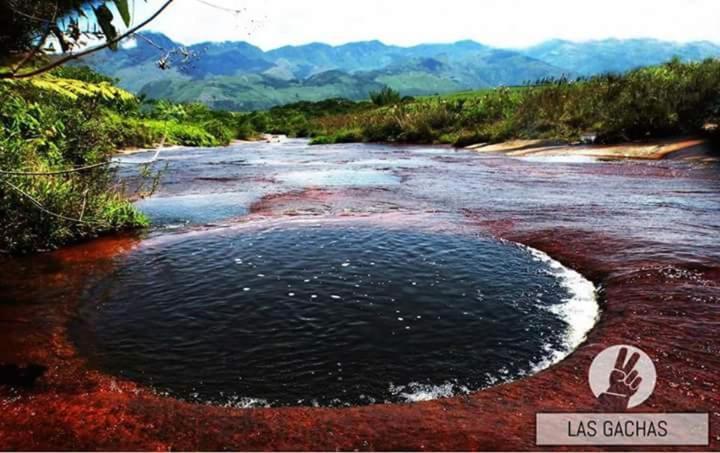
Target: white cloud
[(506, 23)]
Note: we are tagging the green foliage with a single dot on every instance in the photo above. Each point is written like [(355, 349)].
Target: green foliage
[(169, 111), (341, 136), (82, 73), (43, 130), (193, 124), (124, 10), (147, 133), (219, 131), (674, 98), (52, 123), (300, 119), (100, 93), (386, 96)]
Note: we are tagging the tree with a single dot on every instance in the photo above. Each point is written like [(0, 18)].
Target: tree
[(28, 26)]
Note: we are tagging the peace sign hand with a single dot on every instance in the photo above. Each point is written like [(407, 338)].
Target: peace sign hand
[(624, 379)]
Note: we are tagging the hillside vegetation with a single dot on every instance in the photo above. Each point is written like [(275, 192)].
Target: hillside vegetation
[(75, 118), (673, 98)]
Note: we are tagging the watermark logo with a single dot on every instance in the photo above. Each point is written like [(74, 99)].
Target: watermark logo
[(622, 377)]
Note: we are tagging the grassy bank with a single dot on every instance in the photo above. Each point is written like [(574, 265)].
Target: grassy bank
[(670, 99), (72, 119)]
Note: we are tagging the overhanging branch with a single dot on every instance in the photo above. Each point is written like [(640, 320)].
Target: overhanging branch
[(61, 61)]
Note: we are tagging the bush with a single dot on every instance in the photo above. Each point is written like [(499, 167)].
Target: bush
[(386, 96), (341, 136), (189, 135), (220, 131), (44, 130)]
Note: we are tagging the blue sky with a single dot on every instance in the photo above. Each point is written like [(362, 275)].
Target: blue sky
[(504, 23)]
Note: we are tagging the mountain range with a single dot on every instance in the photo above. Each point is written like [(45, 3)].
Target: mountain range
[(240, 76)]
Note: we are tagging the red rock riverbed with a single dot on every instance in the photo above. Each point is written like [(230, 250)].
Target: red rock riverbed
[(645, 232)]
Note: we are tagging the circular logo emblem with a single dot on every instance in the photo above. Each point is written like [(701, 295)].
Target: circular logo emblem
[(622, 375)]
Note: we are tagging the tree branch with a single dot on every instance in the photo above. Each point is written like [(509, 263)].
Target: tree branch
[(40, 43), (65, 59)]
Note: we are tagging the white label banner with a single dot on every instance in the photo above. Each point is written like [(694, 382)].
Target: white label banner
[(622, 429)]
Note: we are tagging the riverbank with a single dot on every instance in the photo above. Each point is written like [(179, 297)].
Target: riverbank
[(691, 148), (683, 147), (643, 231), (267, 138)]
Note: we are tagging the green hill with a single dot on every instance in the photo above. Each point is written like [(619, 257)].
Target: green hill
[(240, 76)]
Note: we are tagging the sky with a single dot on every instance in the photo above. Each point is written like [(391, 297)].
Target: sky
[(502, 23)]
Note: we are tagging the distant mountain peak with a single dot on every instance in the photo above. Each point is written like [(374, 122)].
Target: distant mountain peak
[(469, 43)]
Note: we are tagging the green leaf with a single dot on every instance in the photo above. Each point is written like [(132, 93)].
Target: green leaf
[(122, 7)]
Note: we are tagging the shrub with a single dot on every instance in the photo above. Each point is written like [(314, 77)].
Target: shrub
[(386, 96), (46, 130), (220, 131), (341, 136)]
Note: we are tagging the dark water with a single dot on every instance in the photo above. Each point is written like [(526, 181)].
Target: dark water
[(319, 314)]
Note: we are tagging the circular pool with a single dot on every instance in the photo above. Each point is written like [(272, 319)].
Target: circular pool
[(331, 315)]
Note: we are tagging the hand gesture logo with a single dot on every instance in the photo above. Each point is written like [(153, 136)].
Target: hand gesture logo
[(624, 379), (620, 382)]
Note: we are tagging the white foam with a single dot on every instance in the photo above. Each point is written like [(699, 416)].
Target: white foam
[(242, 402), (580, 310), (415, 392)]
